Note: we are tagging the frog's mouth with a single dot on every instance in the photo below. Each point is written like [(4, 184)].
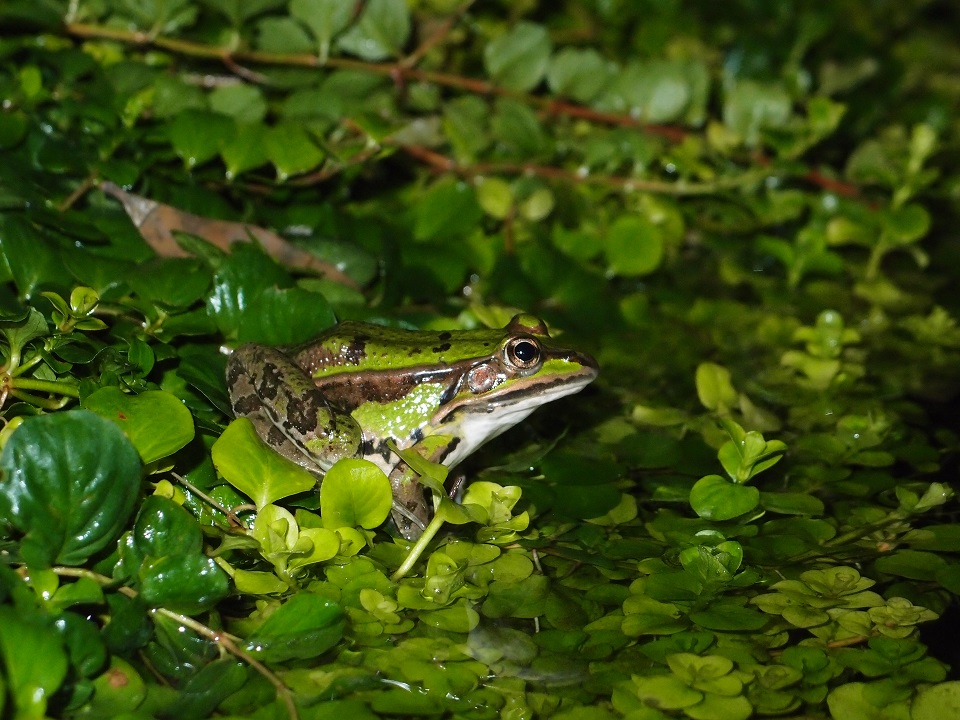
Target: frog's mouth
[(477, 419)]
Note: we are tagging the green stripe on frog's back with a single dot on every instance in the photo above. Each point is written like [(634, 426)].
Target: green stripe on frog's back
[(356, 347)]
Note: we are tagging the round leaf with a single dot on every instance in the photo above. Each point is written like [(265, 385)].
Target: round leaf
[(156, 422), (247, 463), (634, 246), (187, 584), (714, 498), (164, 528), (70, 482), (355, 493), (518, 59)]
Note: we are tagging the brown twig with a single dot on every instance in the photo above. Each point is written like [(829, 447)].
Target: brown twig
[(437, 36), (443, 164), (402, 72)]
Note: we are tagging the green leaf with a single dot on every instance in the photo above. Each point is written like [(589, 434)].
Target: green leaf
[(325, 18), (165, 528), (303, 627), (936, 702), (751, 107), (906, 224), (714, 498), (355, 493), (20, 332), (34, 661), (157, 423), (665, 691), (579, 73), (291, 149), (495, 197), (381, 32), (118, 690), (197, 135), (70, 482), (246, 150), (285, 316), (448, 209), (188, 584), (634, 246), (247, 463), (244, 103), (519, 58), (791, 503), (714, 388), (283, 35)]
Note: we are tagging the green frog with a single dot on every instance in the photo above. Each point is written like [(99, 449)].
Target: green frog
[(358, 388)]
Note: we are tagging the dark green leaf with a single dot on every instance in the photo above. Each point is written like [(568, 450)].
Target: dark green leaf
[(186, 584), (70, 484), (305, 626)]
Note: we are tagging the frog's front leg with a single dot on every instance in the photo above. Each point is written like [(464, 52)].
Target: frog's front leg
[(411, 504), (288, 411)]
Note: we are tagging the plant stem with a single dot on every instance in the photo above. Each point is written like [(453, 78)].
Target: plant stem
[(417, 550), (50, 386)]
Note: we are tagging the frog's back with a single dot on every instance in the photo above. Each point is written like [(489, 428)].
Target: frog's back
[(354, 347)]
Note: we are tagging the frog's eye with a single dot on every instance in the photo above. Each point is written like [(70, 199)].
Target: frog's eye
[(523, 352)]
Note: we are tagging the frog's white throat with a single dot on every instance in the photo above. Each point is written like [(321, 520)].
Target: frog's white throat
[(475, 424)]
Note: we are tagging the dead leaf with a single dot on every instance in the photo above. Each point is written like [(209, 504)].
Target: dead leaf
[(157, 223)]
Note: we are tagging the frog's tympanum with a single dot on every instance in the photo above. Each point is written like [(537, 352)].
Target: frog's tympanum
[(352, 390)]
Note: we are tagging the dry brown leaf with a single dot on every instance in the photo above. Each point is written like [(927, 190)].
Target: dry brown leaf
[(157, 223)]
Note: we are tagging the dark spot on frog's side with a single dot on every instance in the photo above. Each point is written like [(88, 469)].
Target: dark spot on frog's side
[(356, 350), (444, 336), (442, 348)]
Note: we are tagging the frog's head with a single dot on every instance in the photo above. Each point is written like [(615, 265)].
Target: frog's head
[(499, 390)]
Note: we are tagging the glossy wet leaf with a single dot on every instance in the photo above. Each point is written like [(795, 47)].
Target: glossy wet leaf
[(34, 660), (247, 463), (355, 493), (186, 584), (70, 483), (164, 528), (305, 626), (139, 415)]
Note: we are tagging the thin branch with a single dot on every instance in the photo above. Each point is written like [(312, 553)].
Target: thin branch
[(437, 36), (230, 514), (402, 72), (224, 640), (442, 163)]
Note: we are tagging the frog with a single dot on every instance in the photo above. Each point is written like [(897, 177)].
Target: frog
[(362, 390)]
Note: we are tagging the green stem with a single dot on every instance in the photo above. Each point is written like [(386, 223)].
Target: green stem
[(417, 550), (50, 386), (45, 403)]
